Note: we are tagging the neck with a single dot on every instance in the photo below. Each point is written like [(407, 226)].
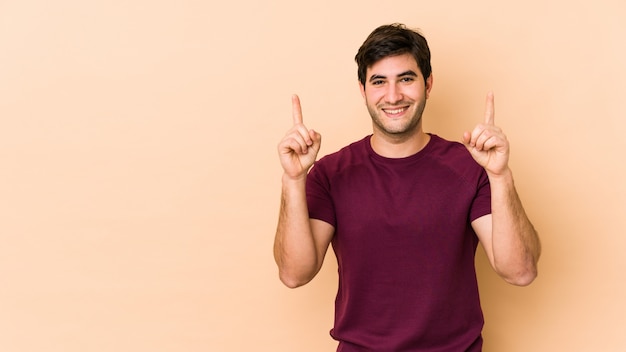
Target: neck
[(398, 146)]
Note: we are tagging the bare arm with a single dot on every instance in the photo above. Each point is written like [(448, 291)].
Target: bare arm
[(507, 235), (509, 238), (300, 243)]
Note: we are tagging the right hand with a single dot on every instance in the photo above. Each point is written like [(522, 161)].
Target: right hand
[(298, 149)]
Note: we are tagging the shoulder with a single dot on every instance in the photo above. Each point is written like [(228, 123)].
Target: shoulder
[(453, 156), (447, 148), (354, 153)]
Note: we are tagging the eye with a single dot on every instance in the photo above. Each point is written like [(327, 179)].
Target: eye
[(407, 79), (377, 82)]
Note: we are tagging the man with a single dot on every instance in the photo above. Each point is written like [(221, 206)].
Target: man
[(404, 211)]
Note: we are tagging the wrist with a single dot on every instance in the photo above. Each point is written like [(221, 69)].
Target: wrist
[(505, 176), (289, 179)]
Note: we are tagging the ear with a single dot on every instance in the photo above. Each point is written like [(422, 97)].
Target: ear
[(362, 88), (429, 85)]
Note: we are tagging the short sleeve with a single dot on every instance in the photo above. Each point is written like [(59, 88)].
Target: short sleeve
[(481, 205), (318, 195)]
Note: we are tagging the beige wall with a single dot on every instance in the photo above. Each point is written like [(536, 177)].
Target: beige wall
[(139, 181)]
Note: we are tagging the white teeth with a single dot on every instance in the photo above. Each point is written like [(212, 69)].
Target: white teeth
[(396, 111)]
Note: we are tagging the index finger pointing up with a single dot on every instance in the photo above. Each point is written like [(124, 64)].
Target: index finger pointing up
[(489, 109), (297, 109)]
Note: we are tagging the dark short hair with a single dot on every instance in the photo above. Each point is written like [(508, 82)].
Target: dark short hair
[(391, 40)]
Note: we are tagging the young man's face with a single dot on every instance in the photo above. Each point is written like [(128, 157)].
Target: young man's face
[(395, 94)]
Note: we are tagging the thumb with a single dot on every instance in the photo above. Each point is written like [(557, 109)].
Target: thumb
[(466, 139), (317, 139)]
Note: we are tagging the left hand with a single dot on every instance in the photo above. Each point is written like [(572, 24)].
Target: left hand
[(487, 143)]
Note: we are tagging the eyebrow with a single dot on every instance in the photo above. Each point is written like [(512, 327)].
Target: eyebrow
[(403, 74)]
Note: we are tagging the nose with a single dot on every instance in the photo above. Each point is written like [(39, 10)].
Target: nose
[(393, 94)]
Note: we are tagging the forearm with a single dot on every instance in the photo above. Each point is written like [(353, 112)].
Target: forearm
[(295, 251), (515, 244)]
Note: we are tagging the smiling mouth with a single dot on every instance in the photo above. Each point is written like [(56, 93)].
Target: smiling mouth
[(395, 112)]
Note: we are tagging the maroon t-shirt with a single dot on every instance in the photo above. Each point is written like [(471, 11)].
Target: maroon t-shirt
[(404, 245)]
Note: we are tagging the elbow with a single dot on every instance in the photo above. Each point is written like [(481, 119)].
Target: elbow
[(292, 281), (294, 275), (522, 277), (517, 272)]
